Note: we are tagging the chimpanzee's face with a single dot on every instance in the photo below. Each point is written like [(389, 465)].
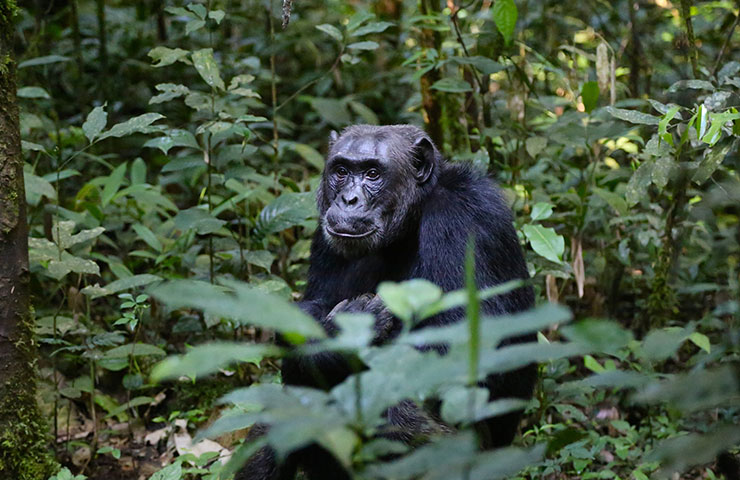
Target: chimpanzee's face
[(370, 183)]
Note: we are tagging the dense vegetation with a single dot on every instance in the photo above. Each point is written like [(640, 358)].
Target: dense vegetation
[(172, 150)]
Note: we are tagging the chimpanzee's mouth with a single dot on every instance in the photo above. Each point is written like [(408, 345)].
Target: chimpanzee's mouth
[(348, 234)]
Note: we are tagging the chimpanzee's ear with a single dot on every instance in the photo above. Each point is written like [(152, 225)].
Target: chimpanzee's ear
[(333, 136), (424, 159)]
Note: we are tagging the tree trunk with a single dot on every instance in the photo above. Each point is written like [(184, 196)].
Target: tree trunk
[(23, 433)]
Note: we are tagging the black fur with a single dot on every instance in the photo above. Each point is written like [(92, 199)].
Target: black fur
[(421, 212)]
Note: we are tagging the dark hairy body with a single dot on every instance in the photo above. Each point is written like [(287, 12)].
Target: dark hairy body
[(392, 209)]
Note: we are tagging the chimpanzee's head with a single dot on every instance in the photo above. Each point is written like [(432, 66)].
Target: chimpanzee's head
[(374, 181)]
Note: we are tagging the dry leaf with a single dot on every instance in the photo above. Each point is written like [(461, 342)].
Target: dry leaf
[(578, 270)]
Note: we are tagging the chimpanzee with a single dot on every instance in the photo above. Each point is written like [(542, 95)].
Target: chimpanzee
[(391, 209)]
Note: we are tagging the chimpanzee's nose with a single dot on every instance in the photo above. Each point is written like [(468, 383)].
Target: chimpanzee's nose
[(350, 199)]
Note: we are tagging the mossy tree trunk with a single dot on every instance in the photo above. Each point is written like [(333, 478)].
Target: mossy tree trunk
[(24, 453)]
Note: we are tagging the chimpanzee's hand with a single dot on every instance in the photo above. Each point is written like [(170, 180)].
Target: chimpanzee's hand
[(386, 325)]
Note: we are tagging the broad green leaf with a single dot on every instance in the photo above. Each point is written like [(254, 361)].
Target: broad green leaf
[(372, 27), (713, 158), (637, 187), (33, 92), (170, 472), (505, 15), (135, 350), (535, 145), (288, 210), (208, 68), (633, 116), (484, 64), (367, 45), (541, 211), (243, 303), (163, 56), (310, 155), (333, 111), (331, 30), (453, 85), (358, 19), (690, 84), (194, 25), (62, 234), (197, 9), (95, 122), (33, 62), (662, 171), (138, 124), (545, 242), (617, 202), (169, 92), (694, 391), (36, 187), (112, 183), (590, 96), (598, 335), (138, 172), (701, 341), (70, 263), (197, 219), (217, 15), (127, 283), (147, 236), (678, 454), (669, 115), (408, 298), (174, 138), (261, 258)]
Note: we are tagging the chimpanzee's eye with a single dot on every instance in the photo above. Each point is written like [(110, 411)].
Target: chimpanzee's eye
[(372, 174), (341, 171)]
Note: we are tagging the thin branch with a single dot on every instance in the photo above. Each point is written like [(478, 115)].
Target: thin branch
[(725, 45)]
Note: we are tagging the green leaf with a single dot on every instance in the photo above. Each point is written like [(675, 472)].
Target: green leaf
[(690, 84), (453, 85), (194, 25), (535, 145), (368, 45), (62, 234), (633, 116), (333, 111), (217, 16), (174, 138), (288, 210), (244, 303), (148, 236), (138, 124), (33, 92), (408, 298), (505, 15), (637, 187), (197, 219), (484, 64), (70, 263), (208, 68), (261, 258), (127, 283), (170, 472), (331, 30), (112, 183), (33, 62), (701, 341), (598, 335), (545, 242), (136, 350), (169, 92), (37, 187), (541, 211), (617, 202), (95, 122), (713, 158), (590, 95), (310, 155), (658, 345), (197, 9), (372, 27), (163, 56), (358, 19)]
